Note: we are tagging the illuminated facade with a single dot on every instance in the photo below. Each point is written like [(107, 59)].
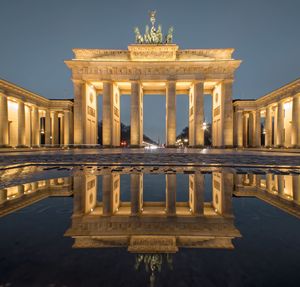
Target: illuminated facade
[(152, 70), (272, 120), (152, 66), (30, 120)]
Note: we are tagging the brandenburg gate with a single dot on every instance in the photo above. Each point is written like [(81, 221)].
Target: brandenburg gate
[(152, 66)]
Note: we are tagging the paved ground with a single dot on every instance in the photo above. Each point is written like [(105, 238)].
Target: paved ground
[(201, 157)]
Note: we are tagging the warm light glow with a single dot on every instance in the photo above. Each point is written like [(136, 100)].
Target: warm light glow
[(12, 105)]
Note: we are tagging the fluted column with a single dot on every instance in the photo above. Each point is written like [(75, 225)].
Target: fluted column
[(79, 111), (296, 188), (171, 113), (198, 114), (136, 137), (295, 139), (21, 190), (280, 125), (251, 129), (257, 129), (227, 188), (55, 135), (3, 121), (35, 127), (21, 124), (226, 110), (67, 127), (107, 198), (268, 127), (3, 195), (136, 193), (280, 183), (269, 182), (197, 193), (245, 130), (107, 114), (47, 128), (239, 122), (171, 194)]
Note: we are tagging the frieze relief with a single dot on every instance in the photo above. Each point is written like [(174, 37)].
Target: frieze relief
[(217, 69), (155, 227)]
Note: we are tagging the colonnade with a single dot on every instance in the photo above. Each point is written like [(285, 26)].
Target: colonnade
[(285, 187), (29, 120), (86, 201), (270, 121), (15, 197), (85, 127)]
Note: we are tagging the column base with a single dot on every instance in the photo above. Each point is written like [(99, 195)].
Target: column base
[(22, 146), (224, 146), (5, 146), (135, 146), (197, 146)]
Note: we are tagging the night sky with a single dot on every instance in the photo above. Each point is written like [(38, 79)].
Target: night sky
[(38, 35)]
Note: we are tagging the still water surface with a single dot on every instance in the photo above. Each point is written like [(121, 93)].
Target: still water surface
[(152, 228)]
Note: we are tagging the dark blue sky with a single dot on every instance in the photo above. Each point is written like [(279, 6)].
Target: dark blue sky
[(38, 35)]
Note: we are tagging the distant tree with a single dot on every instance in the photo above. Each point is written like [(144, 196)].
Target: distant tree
[(184, 134), (125, 134)]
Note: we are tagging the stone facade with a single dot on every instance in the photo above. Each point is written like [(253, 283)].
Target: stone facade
[(153, 69), (271, 121), (30, 120)]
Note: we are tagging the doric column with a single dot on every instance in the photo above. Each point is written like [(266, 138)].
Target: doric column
[(171, 194), (35, 126), (55, 135), (257, 129), (245, 130), (34, 186), (257, 180), (269, 182), (197, 193), (251, 129), (295, 139), (136, 133), (280, 125), (171, 113), (239, 122), (136, 193), (296, 188), (107, 198), (67, 127), (107, 114), (20, 190), (3, 121), (47, 128), (268, 127), (21, 124), (79, 111), (198, 114), (3, 195), (280, 183), (226, 110)]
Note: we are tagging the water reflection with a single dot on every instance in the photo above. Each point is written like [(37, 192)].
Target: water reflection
[(155, 230)]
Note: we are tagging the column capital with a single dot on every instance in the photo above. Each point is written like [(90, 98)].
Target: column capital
[(294, 96), (227, 81), (2, 93), (76, 81), (198, 81), (171, 80)]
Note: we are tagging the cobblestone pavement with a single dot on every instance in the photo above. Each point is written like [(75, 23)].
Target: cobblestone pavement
[(201, 157)]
